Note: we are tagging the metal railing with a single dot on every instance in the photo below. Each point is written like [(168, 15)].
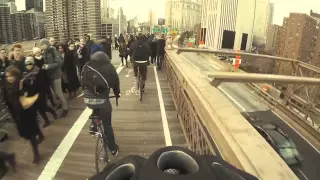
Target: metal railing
[(300, 100), (195, 133)]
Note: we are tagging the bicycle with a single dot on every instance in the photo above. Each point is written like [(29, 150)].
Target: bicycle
[(101, 138)]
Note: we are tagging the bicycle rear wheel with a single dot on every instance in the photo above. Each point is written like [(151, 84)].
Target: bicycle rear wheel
[(101, 154), (140, 88)]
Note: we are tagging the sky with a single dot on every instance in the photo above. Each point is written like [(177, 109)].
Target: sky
[(131, 8), (282, 8)]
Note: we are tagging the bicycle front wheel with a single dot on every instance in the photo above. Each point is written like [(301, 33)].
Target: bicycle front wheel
[(101, 154)]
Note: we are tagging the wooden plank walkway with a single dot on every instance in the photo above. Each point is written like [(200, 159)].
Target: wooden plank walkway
[(137, 125)]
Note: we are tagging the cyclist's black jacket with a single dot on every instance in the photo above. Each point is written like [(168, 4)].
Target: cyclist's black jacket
[(144, 43), (101, 62)]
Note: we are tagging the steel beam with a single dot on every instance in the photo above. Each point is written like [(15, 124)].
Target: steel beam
[(218, 77), (233, 53)]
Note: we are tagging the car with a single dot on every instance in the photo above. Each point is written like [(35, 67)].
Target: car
[(220, 57), (280, 142)]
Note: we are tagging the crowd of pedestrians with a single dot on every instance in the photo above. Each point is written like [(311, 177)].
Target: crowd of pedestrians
[(35, 84)]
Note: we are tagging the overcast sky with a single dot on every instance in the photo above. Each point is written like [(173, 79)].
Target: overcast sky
[(141, 8)]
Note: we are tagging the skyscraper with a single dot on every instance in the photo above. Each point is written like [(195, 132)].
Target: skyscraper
[(298, 40), (31, 4), (56, 19), (228, 24), (152, 19), (6, 35), (271, 12), (73, 18), (182, 14), (94, 18), (12, 6)]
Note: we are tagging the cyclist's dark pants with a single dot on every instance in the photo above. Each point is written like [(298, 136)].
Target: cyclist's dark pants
[(160, 58), (143, 68), (105, 115)]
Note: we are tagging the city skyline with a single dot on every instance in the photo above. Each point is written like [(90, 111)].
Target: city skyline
[(281, 8)]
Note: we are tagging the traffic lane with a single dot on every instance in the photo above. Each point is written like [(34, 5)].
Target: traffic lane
[(246, 101), (310, 165), (198, 62), (237, 93), (249, 103)]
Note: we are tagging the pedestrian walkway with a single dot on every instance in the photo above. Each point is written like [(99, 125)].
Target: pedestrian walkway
[(140, 128)]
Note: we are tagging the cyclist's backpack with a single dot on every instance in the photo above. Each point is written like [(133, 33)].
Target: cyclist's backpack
[(92, 80), (141, 53)]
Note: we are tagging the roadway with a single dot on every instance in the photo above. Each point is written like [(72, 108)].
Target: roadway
[(251, 104)]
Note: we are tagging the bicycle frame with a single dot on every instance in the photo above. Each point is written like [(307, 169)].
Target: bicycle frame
[(101, 136)]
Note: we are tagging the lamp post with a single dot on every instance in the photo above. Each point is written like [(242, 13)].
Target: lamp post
[(119, 15)]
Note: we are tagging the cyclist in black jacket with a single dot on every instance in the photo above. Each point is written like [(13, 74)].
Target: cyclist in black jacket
[(141, 52), (98, 76)]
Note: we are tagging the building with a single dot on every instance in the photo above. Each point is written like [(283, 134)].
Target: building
[(182, 14), (26, 5), (316, 57), (315, 15), (24, 26), (300, 34), (106, 11), (271, 42), (261, 18), (31, 27), (67, 19), (76, 15), (4, 1), (80, 27), (107, 29), (299, 40), (19, 26), (56, 19), (227, 24), (152, 19), (271, 13), (6, 35), (12, 6), (94, 18), (122, 21), (280, 40), (40, 22)]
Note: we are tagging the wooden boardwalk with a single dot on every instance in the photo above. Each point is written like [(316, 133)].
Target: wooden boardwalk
[(137, 125)]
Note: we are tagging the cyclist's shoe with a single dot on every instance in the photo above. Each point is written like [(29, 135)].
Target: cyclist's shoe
[(115, 152)]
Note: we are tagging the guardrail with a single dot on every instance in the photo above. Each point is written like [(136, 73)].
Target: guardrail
[(212, 125)]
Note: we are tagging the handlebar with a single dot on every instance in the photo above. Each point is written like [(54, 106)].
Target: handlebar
[(117, 97)]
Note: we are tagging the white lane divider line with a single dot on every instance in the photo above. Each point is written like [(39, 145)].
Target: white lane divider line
[(57, 158), (165, 124)]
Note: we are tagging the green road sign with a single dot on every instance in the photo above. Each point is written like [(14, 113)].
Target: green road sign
[(158, 29)]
